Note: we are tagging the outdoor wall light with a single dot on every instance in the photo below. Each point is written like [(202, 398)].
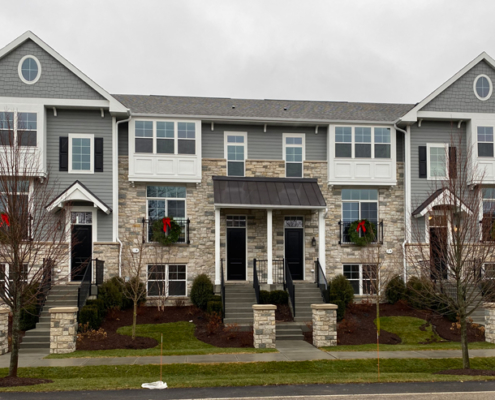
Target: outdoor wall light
[(313, 242)]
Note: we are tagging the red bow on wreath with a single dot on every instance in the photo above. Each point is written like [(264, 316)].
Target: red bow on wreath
[(166, 222), (5, 220), (361, 225)]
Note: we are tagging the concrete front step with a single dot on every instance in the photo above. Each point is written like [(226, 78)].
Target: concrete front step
[(35, 345), (238, 321), (36, 339)]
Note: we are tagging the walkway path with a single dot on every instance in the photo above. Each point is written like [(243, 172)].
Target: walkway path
[(288, 351)]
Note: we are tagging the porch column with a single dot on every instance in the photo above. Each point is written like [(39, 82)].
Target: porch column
[(321, 240), (217, 247), (269, 236)]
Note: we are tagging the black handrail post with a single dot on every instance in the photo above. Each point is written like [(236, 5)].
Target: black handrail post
[(290, 288), (222, 288), (321, 281)]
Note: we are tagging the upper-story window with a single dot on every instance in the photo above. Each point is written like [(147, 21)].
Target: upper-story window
[(488, 220), (485, 141), (483, 87), (235, 152), (293, 155), (29, 69), (358, 204), (362, 142), (81, 153), (437, 161), (18, 127), (166, 201), (165, 137)]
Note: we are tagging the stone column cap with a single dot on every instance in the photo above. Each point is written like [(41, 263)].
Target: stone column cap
[(264, 307), (324, 306), (4, 310), (63, 310), (488, 305)]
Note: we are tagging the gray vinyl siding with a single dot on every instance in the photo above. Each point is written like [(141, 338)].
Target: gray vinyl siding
[(123, 144), (400, 146), (56, 81), (263, 145), (460, 97), (100, 183)]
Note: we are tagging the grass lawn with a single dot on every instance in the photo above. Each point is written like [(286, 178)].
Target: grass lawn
[(247, 374), (178, 339), (407, 328)]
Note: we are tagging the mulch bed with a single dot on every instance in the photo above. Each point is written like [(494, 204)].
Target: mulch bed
[(208, 329), (283, 313), (471, 372), (358, 327), (9, 381)]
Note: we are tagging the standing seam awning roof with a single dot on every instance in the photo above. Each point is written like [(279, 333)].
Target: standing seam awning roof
[(267, 193)]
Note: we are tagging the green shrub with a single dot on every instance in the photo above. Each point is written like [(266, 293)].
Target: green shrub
[(264, 297), (216, 297), (418, 293), (201, 291), (395, 290), (443, 308), (111, 293), (340, 293), (29, 318), (91, 316), (99, 304), (127, 292), (488, 290), (279, 297), (214, 307)]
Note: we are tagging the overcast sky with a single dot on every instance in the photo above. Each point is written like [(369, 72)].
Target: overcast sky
[(369, 51)]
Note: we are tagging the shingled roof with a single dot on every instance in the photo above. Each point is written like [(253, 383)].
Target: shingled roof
[(211, 107)]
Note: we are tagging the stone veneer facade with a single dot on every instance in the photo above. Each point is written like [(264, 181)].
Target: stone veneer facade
[(4, 330), (264, 328), (63, 330), (324, 325), (199, 255), (489, 322)]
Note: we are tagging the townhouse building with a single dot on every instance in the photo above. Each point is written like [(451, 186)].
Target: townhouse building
[(271, 184)]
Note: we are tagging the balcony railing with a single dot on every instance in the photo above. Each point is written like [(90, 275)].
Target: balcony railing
[(182, 222), (277, 270), (344, 237)]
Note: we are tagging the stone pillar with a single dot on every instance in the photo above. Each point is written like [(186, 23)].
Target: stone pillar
[(321, 241), (489, 322), (269, 246), (4, 330), (324, 325), (264, 326), (63, 329), (217, 247)]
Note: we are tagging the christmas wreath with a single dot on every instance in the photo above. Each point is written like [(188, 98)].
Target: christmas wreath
[(362, 232), (165, 231)]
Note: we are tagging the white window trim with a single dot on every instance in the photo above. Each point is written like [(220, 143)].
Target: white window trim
[(377, 201), (303, 145), (92, 155), (428, 162), (15, 128), (225, 146), (489, 92), (353, 142), (19, 70), (361, 292), (477, 142), (167, 281)]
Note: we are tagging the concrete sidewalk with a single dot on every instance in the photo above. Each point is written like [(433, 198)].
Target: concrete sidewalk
[(289, 350)]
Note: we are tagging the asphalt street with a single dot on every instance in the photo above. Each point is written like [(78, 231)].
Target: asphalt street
[(389, 391)]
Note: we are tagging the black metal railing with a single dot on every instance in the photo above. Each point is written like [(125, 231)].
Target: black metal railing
[(289, 286), (277, 271), (256, 283), (222, 288), (46, 282), (321, 280), (344, 237), (182, 222), (85, 288), (99, 272)]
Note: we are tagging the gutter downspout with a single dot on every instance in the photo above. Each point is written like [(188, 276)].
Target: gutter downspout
[(117, 194), (407, 161)]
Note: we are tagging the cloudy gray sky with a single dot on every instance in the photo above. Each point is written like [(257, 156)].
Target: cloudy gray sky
[(352, 50)]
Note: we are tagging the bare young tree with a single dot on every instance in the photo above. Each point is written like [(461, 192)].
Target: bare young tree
[(451, 252), (32, 239)]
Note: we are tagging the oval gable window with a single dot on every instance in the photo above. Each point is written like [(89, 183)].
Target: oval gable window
[(483, 87), (29, 69)]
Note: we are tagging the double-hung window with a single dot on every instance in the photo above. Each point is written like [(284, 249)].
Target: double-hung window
[(18, 127), (293, 155), (166, 280), (488, 221), (165, 137), (357, 205), (485, 141), (235, 153), (81, 153), (362, 142), (167, 201), (361, 277), (437, 161), (14, 201)]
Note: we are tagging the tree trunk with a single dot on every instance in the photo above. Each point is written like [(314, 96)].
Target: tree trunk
[(134, 318), (464, 342), (16, 322)]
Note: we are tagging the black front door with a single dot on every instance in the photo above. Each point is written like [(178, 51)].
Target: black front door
[(236, 254), (294, 252), (82, 249), (438, 253)]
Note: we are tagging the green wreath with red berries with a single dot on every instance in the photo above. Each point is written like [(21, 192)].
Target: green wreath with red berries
[(165, 231), (360, 236)]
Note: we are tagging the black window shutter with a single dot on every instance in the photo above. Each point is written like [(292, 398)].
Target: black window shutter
[(422, 162), (453, 162), (98, 154), (63, 154)]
